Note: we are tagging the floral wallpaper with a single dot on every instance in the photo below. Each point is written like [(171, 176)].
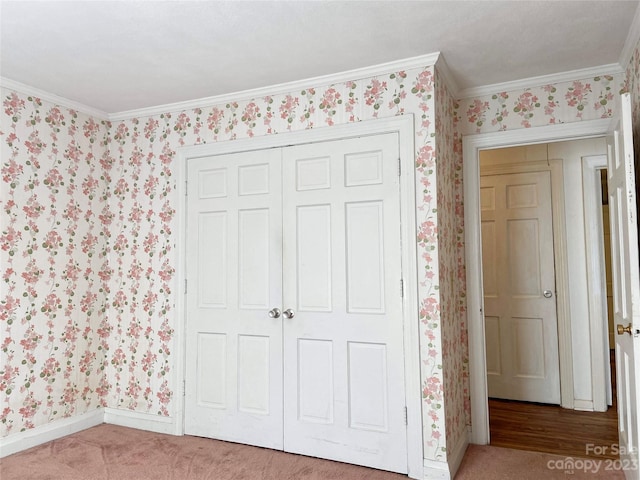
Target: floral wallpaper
[(113, 239), (632, 85), (143, 232), (54, 262), (583, 99), (452, 270)]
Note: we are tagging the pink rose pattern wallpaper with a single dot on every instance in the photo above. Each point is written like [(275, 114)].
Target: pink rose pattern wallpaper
[(55, 263), (88, 233), (88, 237), (585, 99), (632, 85), (451, 264)]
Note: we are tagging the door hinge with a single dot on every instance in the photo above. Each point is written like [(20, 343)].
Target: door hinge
[(401, 288), (185, 286), (186, 188), (406, 416), (399, 166), (184, 388)]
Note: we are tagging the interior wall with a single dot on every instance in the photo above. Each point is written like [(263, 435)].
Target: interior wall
[(571, 153), (452, 272), (134, 221), (55, 265)]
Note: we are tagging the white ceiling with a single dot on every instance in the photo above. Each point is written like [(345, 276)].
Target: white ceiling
[(124, 55)]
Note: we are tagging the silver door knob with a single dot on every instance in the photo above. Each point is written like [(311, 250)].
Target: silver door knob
[(274, 313), (547, 294), (288, 313)]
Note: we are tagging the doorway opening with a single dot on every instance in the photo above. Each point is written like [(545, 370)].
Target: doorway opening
[(519, 300), (472, 146)]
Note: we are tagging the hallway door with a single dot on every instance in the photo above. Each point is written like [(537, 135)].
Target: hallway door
[(519, 287)]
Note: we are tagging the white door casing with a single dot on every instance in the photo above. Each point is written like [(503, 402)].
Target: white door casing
[(519, 287), (626, 285), (366, 412), (343, 349)]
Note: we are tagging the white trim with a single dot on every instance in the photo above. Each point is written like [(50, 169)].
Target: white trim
[(449, 79), (434, 470), (272, 90), (50, 97), (472, 144), (610, 69), (563, 302), (633, 37), (51, 431), (140, 421), (456, 453), (596, 280), (583, 405), (404, 126)]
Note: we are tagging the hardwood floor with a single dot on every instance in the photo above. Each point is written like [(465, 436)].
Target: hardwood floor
[(552, 429)]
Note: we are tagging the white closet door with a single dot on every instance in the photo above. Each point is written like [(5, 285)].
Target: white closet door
[(343, 352), (234, 262)]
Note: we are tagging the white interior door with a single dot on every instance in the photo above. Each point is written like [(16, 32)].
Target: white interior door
[(626, 284), (343, 352), (233, 387), (323, 221), (521, 328)]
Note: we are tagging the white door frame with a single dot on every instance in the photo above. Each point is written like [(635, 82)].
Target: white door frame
[(404, 127), (471, 146), (596, 281)]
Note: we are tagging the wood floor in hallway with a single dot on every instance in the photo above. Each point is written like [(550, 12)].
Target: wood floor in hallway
[(553, 429)]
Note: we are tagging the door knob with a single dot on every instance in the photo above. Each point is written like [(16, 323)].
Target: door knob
[(547, 294), (288, 313), (622, 329), (274, 313)]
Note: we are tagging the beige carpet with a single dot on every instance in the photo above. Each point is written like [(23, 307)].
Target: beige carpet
[(108, 452)]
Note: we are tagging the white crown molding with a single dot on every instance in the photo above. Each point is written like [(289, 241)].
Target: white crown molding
[(633, 37), (50, 97), (449, 79), (611, 69), (272, 90)]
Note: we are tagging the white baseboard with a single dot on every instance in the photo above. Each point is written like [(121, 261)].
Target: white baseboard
[(583, 405), (434, 470), (51, 431), (456, 454), (141, 421)]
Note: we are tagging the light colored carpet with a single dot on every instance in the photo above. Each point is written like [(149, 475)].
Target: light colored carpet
[(483, 462), (109, 452)]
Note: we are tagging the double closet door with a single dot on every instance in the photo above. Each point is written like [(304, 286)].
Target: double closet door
[(294, 307)]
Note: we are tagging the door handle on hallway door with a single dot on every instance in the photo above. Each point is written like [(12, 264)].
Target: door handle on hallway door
[(547, 294), (274, 313), (288, 313), (621, 329)]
